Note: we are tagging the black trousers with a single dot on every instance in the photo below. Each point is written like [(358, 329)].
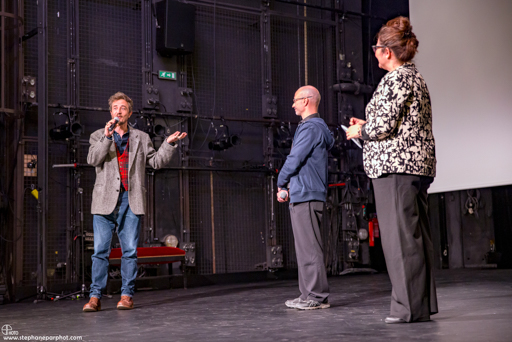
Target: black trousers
[(306, 223), (402, 205)]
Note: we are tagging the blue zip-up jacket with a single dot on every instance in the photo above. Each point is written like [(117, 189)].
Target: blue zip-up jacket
[(305, 168)]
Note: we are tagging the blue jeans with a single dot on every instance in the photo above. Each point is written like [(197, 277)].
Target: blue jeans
[(127, 224)]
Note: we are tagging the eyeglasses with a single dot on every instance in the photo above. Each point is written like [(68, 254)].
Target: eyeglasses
[(301, 98), (375, 47)]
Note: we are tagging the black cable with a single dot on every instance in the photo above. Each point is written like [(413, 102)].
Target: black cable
[(242, 132), (58, 182), (207, 134), (195, 100), (472, 202), (176, 124)]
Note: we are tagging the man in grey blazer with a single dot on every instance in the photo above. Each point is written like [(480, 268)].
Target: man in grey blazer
[(120, 155)]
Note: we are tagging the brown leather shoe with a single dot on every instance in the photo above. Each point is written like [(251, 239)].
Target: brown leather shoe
[(126, 303), (93, 305)]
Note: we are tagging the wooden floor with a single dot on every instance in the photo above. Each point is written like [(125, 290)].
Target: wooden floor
[(475, 305)]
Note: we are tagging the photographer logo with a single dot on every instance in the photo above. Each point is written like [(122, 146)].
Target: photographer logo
[(7, 330)]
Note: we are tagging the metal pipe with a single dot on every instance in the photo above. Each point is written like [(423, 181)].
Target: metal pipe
[(172, 114), (335, 10), (305, 46), (238, 8), (212, 208), (176, 168), (42, 133), (299, 17)]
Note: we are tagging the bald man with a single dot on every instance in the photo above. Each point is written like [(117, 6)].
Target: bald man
[(303, 181)]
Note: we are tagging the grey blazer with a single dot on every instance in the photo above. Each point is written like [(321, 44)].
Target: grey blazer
[(103, 156)]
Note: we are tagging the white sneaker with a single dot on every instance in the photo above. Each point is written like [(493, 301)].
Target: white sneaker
[(292, 303), (312, 305)]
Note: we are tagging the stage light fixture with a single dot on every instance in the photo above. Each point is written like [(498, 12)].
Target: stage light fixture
[(160, 130), (76, 128), (61, 132), (149, 125), (223, 140), (65, 127), (32, 163)]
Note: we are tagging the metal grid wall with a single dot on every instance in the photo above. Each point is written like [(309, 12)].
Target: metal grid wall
[(227, 63), (288, 63), (58, 208), (30, 46), (200, 220), (288, 74), (167, 215), (29, 221), (284, 235), (87, 178), (239, 226), (57, 47), (10, 56), (287, 41), (110, 53), (225, 72), (321, 66), (226, 76), (57, 215)]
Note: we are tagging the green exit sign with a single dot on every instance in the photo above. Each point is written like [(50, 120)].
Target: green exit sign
[(167, 75)]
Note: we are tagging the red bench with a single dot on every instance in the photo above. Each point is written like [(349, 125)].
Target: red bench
[(153, 256)]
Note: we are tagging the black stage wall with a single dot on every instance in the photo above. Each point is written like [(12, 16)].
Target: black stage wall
[(249, 57)]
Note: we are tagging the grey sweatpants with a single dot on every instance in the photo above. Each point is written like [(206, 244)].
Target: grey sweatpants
[(306, 222), (402, 205)]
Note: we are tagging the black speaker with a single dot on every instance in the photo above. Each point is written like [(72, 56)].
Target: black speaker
[(176, 27)]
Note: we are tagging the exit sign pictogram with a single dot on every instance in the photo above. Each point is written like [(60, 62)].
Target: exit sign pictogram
[(167, 75)]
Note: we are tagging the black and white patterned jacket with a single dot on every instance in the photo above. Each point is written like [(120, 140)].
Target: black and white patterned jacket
[(398, 130)]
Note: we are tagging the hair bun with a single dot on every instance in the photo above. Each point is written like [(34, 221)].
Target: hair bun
[(397, 34)]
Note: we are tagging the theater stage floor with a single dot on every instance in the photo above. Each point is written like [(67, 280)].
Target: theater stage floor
[(475, 305)]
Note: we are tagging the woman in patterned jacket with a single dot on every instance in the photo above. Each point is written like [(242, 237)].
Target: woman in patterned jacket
[(399, 157)]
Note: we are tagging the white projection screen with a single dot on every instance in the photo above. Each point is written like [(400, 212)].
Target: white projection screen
[(465, 56)]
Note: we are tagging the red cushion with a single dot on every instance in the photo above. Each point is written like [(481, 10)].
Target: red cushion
[(151, 255)]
